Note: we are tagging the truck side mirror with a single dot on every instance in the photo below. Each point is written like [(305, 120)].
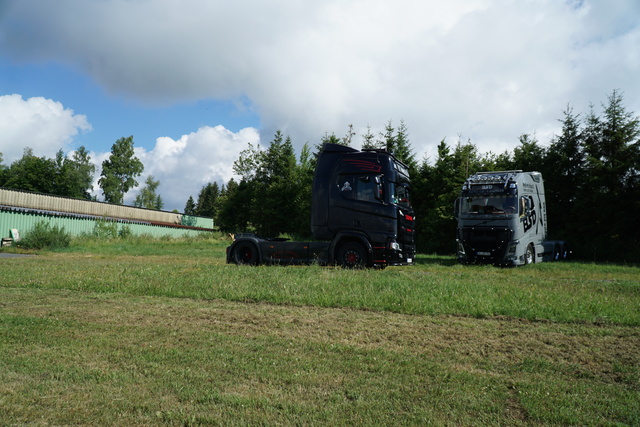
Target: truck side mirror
[(379, 189)]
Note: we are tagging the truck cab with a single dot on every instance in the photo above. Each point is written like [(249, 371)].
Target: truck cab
[(502, 220), (361, 215)]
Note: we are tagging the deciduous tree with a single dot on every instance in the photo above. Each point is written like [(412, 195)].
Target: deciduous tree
[(149, 197), (32, 173), (74, 176), (119, 171)]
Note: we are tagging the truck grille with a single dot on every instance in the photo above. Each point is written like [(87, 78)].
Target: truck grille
[(485, 244)]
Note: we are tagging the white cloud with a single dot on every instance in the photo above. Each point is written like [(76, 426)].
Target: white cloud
[(185, 165), (488, 70), (38, 123)]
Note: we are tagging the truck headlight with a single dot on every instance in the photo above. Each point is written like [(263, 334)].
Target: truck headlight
[(394, 246), (511, 251)]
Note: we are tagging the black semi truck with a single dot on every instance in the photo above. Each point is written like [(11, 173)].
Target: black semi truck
[(361, 215)]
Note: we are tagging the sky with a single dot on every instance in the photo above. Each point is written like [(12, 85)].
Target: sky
[(194, 82)]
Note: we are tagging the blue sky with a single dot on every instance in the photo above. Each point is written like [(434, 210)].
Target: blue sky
[(114, 116), (195, 82)]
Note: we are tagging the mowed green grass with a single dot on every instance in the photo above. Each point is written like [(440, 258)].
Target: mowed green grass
[(139, 332)]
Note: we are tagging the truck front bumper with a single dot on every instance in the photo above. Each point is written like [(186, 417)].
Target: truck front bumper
[(394, 254)]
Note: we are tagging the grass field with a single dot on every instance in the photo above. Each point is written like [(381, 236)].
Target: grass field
[(140, 332)]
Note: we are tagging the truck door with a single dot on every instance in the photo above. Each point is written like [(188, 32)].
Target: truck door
[(358, 203)]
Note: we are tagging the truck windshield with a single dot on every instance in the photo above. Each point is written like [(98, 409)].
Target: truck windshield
[(401, 194), (489, 205)]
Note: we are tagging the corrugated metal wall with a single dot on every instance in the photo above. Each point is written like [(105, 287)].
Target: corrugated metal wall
[(45, 202), (197, 221), (24, 220)]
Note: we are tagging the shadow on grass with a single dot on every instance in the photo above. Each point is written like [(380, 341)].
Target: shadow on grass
[(444, 260)]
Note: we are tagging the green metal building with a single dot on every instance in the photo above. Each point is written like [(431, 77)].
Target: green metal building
[(20, 211)]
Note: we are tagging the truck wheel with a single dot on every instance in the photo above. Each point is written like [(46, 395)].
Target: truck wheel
[(352, 255), (530, 255), (245, 253)]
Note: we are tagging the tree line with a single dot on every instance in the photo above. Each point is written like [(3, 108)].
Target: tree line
[(592, 183), (591, 172), (73, 176)]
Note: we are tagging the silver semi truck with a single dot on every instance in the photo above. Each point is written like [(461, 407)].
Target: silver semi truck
[(502, 220)]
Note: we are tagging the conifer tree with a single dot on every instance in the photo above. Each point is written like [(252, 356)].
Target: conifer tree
[(190, 207), (208, 199)]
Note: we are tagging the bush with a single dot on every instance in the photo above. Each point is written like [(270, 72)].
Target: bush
[(125, 232), (43, 235), (105, 229)]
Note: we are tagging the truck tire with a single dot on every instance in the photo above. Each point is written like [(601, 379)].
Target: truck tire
[(245, 253), (352, 255), (530, 255)]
